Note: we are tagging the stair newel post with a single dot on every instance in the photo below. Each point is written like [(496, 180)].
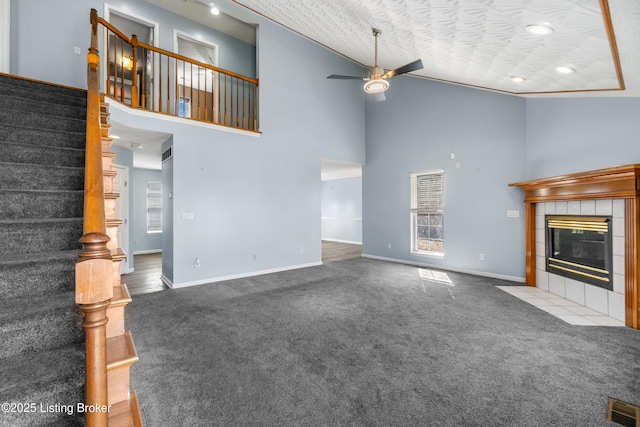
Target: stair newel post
[(94, 287), (134, 72)]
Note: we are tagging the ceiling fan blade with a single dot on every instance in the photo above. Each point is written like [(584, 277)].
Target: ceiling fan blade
[(336, 76), (413, 66)]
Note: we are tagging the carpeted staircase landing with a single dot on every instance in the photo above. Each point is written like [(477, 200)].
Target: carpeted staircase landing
[(42, 138)]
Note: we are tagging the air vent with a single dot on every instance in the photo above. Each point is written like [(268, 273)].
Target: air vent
[(623, 413), (167, 154)]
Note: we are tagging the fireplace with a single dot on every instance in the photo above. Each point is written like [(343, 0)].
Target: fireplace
[(579, 247), (620, 184)]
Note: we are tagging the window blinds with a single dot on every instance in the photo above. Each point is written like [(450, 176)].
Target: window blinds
[(154, 207), (427, 190)]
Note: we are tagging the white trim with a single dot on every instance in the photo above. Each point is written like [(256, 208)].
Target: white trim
[(237, 276), (166, 281), (341, 219), (457, 270), (177, 33), (127, 270), (152, 115), (148, 251), (5, 36), (351, 242)]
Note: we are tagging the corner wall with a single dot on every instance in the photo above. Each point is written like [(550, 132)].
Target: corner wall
[(417, 128)]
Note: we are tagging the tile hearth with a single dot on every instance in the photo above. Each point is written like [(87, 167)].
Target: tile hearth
[(568, 311)]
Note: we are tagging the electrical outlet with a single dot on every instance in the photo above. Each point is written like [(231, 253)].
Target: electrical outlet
[(482, 256), (77, 50), (301, 251), (389, 246), (196, 262)]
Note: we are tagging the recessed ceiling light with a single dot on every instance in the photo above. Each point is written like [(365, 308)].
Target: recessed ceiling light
[(136, 145), (113, 136), (540, 29), (565, 70), (518, 79), (214, 10)]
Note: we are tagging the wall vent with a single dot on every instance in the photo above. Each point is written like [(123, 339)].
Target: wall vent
[(623, 413), (167, 154)]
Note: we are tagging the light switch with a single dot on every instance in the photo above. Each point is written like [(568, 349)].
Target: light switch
[(187, 215)]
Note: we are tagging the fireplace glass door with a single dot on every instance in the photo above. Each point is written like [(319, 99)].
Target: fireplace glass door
[(579, 247)]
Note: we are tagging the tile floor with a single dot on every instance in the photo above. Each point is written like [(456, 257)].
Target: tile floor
[(568, 311)]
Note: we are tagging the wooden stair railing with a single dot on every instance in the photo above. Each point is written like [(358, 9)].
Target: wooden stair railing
[(99, 293), (144, 76)]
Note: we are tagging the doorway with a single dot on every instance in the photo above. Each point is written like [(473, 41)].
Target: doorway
[(147, 32), (341, 210), (121, 186), (197, 87)]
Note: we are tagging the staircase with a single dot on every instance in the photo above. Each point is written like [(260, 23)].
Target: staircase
[(42, 347)]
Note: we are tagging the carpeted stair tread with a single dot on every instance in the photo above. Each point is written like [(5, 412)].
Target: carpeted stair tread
[(41, 138), (42, 121), (35, 274), (20, 176), (41, 204), (50, 377), (33, 235), (20, 102), (32, 154), (37, 323), (61, 92)]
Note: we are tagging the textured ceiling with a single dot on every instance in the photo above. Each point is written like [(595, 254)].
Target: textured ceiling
[(481, 43)]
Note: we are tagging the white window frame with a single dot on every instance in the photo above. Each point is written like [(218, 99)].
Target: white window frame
[(434, 206), (154, 196)]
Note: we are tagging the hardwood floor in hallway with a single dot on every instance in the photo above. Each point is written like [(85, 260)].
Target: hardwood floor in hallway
[(148, 267), (337, 251), (146, 275)]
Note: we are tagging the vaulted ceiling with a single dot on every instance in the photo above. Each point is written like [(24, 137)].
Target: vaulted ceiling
[(478, 43)]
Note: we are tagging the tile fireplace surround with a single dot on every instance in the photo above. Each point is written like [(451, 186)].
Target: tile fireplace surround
[(614, 192)]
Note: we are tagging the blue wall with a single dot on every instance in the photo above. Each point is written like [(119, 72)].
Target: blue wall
[(417, 128), (580, 134), (45, 32), (255, 199), (342, 210)]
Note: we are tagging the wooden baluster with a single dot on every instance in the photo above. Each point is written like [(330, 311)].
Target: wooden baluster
[(122, 71), (107, 87), (244, 118), (255, 106), (168, 85), (198, 92), (134, 72), (160, 85), (143, 76)]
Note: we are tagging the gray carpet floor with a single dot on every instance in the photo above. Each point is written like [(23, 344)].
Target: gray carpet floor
[(368, 343)]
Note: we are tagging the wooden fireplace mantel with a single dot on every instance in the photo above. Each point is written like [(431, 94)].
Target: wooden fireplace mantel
[(619, 182)]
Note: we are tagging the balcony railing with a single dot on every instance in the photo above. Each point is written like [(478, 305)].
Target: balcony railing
[(153, 79)]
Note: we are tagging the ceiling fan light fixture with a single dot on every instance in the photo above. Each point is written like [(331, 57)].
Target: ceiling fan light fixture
[(540, 29), (376, 86), (518, 79)]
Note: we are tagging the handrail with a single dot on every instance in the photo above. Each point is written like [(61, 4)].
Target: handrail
[(94, 287), (151, 78)]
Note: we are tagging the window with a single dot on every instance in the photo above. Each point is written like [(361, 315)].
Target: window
[(154, 207), (427, 212)]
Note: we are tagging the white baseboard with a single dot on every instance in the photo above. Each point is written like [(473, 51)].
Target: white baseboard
[(457, 270), (236, 276), (351, 242), (166, 281)]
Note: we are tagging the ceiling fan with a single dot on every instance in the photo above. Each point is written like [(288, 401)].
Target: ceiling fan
[(377, 82)]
